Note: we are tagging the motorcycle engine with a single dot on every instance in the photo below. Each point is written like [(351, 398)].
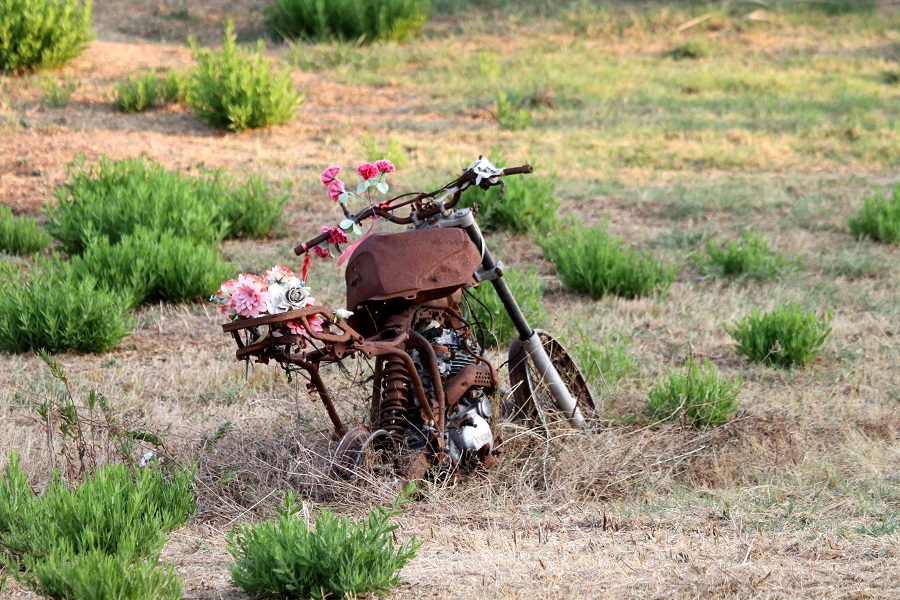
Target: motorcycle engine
[(469, 422)]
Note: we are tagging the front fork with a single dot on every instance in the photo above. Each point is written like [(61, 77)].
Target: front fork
[(562, 397)]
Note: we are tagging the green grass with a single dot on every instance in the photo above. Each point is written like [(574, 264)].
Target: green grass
[(786, 336), (699, 397), (879, 218), (594, 262), (21, 235), (746, 258), (496, 326), (139, 92), (529, 204), (357, 21), (57, 93)]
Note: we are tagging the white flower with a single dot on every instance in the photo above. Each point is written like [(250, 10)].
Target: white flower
[(147, 459), (342, 314), (291, 295)]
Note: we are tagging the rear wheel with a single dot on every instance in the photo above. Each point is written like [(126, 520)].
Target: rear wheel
[(530, 394)]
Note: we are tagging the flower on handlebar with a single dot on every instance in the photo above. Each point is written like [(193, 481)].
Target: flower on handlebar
[(337, 235), (368, 171)]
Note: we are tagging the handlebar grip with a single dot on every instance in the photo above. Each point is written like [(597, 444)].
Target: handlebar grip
[(303, 248), (523, 170)]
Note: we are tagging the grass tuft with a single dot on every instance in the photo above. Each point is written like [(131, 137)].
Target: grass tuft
[(879, 218), (360, 21), (338, 558), (529, 204), (746, 258), (692, 49), (58, 93), (21, 235), (238, 90), (785, 337), (699, 398), (488, 313), (594, 262), (138, 93)]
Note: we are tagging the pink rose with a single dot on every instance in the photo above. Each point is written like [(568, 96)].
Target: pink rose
[(384, 166), (367, 171), (322, 252), (329, 174), (336, 189), (337, 236)]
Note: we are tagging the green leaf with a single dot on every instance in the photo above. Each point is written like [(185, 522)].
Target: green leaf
[(356, 229), (362, 187), (346, 224), (382, 187)]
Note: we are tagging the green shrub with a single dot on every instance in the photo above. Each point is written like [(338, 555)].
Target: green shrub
[(835, 7), (21, 235), (58, 93), (699, 397), (879, 218), (339, 558), (511, 112), (528, 205), (54, 307), (487, 310), (692, 49), (786, 336), (748, 257), (173, 86), (42, 34), (138, 93), (105, 534), (149, 265), (239, 90), (362, 21), (595, 262), (114, 198)]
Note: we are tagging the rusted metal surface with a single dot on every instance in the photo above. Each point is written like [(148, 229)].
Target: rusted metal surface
[(417, 266), (469, 377)]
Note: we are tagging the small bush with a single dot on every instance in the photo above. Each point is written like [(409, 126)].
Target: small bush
[(173, 86), (836, 7), (692, 49), (114, 198), (138, 93), (363, 21), (148, 265), (339, 558), (58, 93), (21, 235), (487, 310), (748, 258), (528, 205), (54, 307), (595, 262), (43, 34), (879, 218), (105, 534), (784, 337), (699, 397), (239, 90), (511, 112)]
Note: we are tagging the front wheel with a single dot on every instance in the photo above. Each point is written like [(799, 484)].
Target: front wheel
[(531, 393)]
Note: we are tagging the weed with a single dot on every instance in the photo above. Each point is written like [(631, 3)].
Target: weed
[(699, 398), (836, 7), (886, 526), (392, 151), (891, 77), (511, 112), (239, 90), (43, 34), (58, 93), (487, 312), (528, 204), (138, 93), (54, 307), (21, 235), (173, 86), (747, 258), (114, 198), (602, 363), (592, 261), (784, 337), (692, 49), (338, 558), (879, 218), (363, 21)]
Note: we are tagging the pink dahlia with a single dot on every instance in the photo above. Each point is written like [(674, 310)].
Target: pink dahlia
[(367, 171), (329, 174), (336, 189), (296, 327), (250, 296), (384, 166)]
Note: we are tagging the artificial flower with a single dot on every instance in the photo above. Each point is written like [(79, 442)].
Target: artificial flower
[(226, 290), (291, 295), (329, 175), (322, 252), (336, 189), (250, 296), (342, 314), (367, 171), (337, 235), (278, 274), (384, 166), (315, 324)]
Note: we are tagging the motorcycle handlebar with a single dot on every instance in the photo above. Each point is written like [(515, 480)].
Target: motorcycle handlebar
[(373, 211)]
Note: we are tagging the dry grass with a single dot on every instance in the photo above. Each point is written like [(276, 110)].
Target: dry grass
[(795, 497)]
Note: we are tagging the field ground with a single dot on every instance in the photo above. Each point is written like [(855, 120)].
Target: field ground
[(786, 124)]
